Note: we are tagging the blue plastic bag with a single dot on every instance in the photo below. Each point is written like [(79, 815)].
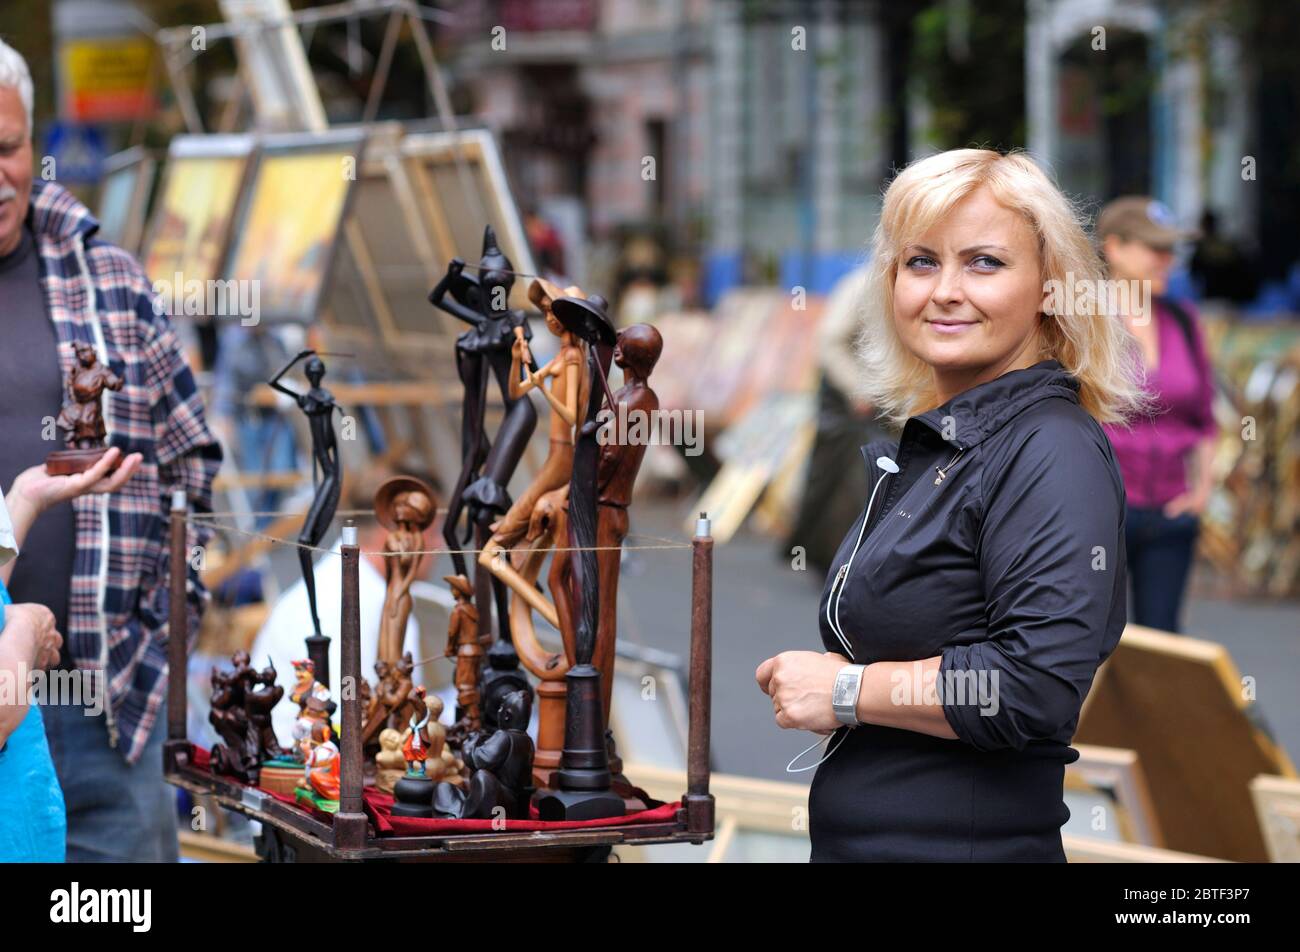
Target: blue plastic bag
[(33, 821)]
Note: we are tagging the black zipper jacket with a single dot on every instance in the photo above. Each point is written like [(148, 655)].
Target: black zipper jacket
[(999, 546)]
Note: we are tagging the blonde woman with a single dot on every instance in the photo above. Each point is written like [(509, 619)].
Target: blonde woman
[(970, 605)]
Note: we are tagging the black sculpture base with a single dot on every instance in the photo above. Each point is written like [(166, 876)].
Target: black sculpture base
[(582, 788), (579, 804), (413, 797)]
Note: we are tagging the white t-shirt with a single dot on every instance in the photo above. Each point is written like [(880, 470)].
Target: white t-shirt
[(284, 636), (8, 544)]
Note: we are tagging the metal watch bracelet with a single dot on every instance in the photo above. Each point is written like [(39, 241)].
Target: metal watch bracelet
[(844, 696)]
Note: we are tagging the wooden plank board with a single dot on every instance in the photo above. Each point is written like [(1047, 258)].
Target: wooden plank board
[(1179, 703)]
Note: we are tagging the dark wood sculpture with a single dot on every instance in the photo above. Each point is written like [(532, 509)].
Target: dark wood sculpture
[(319, 406), (405, 506), (82, 415), (240, 712), (481, 492), (500, 768)]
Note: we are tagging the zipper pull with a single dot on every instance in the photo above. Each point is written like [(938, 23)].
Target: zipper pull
[(943, 470)]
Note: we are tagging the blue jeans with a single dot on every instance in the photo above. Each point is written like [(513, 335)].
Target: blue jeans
[(1160, 553), (117, 812)]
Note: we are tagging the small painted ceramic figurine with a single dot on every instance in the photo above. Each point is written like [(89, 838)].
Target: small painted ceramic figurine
[(464, 645), (320, 785), (315, 706), (82, 416), (318, 405), (415, 746), (413, 791), (405, 507)]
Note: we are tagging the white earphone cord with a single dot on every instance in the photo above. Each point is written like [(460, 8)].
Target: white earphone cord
[(888, 466)]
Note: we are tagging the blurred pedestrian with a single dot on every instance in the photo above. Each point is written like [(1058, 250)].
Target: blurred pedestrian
[(1165, 458), (836, 482), (100, 563)]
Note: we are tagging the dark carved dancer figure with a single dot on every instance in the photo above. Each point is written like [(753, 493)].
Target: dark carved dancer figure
[(484, 351), (319, 406)]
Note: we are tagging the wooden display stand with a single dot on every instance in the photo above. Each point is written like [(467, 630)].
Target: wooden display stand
[(290, 834)]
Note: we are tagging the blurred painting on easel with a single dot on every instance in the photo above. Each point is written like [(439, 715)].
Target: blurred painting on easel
[(289, 221), (124, 197), (191, 223)]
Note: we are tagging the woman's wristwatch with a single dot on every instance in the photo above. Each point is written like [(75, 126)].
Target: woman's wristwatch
[(844, 696)]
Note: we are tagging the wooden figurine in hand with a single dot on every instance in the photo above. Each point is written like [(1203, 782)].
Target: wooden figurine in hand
[(82, 416)]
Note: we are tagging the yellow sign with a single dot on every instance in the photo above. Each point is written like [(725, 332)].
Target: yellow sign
[(107, 80)]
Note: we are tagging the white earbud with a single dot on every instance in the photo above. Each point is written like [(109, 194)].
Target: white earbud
[(887, 464)]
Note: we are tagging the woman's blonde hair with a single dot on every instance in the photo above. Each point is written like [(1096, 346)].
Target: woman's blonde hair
[(1095, 347)]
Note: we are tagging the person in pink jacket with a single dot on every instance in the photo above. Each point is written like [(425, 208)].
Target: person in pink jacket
[(1165, 458)]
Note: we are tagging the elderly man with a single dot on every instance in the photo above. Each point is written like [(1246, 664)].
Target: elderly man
[(99, 562)]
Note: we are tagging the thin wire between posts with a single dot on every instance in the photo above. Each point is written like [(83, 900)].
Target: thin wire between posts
[(200, 520)]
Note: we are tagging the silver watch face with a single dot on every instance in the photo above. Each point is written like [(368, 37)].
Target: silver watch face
[(843, 693)]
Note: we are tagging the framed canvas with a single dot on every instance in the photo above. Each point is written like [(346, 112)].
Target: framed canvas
[(1108, 797), (461, 185), (191, 225), (1182, 705), (1277, 804), (289, 220), (387, 267), (124, 197)]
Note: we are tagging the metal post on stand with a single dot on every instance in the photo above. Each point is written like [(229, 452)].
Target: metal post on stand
[(350, 821), (176, 752), (698, 802)]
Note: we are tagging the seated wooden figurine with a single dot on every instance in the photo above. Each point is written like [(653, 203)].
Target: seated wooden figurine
[(390, 763), (500, 765)]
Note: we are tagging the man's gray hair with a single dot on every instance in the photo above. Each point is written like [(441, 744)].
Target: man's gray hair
[(15, 75)]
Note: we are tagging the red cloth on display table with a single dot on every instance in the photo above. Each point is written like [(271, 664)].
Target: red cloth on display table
[(378, 807)]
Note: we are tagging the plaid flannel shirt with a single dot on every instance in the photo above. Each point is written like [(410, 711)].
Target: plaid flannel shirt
[(118, 605)]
